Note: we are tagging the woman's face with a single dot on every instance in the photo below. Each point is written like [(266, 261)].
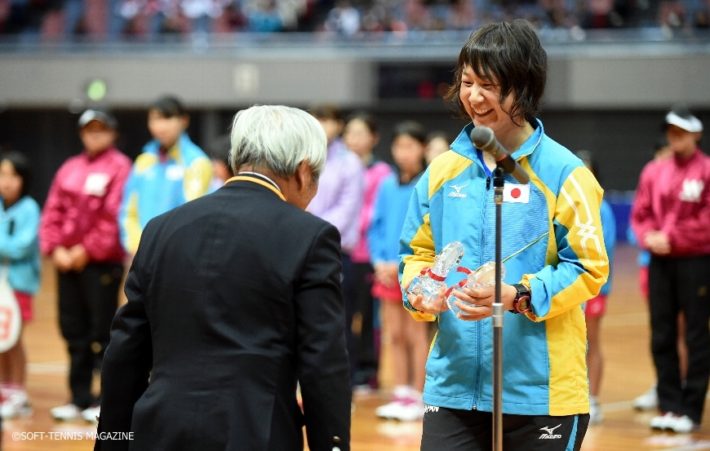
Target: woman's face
[(332, 128), (681, 142), (408, 154), (97, 137), (10, 182), (166, 130), (435, 147), (480, 98), (359, 138)]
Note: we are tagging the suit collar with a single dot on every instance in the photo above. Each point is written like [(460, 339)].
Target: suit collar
[(256, 180)]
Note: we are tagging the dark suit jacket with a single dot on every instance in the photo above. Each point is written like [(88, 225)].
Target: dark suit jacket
[(232, 299)]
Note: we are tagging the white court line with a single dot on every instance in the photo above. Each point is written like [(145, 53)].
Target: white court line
[(48, 367), (625, 405)]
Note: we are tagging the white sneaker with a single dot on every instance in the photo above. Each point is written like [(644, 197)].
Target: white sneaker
[(663, 422), (409, 410), (15, 405), (91, 414), (66, 412), (647, 401), (595, 412), (683, 425), (388, 410)]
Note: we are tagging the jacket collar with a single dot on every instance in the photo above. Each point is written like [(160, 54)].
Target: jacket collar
[(463, 145), (249, 178)]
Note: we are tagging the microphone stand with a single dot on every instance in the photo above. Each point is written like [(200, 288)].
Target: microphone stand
[(498, 182)]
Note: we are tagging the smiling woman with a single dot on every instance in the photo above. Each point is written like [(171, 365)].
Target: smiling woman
[(499, 79)]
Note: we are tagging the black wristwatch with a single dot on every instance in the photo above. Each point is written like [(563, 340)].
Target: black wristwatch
[(521, 302)]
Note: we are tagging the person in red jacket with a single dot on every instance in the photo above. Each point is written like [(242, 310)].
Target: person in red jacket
[(670, 218), (79, 231)]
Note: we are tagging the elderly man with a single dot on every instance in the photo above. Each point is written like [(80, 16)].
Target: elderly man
[(233, 299)]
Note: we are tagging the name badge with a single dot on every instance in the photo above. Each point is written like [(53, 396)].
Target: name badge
[(96, 183), (174, 172), (514, 193)]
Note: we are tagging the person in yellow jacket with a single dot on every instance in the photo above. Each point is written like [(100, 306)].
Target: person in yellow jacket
[(171, 171), (553, 248)]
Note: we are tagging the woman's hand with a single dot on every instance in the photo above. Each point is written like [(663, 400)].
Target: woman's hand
[(435, 307), (477, 303)]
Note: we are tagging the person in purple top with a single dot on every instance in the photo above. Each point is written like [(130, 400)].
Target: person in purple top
[(361, 136), (339, 199)]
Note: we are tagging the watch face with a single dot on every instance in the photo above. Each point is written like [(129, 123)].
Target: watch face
[(524, 304)]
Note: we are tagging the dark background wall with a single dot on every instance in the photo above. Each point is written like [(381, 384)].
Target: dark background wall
[(622, 140)]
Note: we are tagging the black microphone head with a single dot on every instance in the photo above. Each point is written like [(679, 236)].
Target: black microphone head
[(482, 136)]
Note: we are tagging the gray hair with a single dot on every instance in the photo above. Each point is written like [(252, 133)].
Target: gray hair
[(277, 138)]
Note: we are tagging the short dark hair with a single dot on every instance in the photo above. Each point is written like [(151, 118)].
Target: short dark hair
[(366, 119), (411, 128), (218, 149), (22, 166), (169, 106), (511, 54), (326, 111)]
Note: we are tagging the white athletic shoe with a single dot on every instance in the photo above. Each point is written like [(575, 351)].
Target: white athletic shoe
[(409, 410), (66, 412), (683, 425), (15, 405), (647, 401), (388, 410), (407, 406), (91, 414), (663, 422)]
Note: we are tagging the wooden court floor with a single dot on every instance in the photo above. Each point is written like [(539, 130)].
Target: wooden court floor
[(629, 372)]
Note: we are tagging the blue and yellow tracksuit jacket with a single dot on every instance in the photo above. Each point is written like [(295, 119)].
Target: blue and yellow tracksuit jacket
[(552, 242), (156, 186)]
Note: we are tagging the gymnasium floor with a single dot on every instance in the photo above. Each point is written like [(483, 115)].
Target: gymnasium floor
[(629, 372)]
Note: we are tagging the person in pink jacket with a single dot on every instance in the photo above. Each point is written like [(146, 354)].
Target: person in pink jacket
[(670, 218), (79, 231)]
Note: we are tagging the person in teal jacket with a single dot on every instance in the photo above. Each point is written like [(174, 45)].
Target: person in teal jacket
[(407, 339), (20, 257), (554, 258), (171, 171)]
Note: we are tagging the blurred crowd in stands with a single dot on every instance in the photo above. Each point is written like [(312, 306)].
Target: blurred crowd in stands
[(150, 19)]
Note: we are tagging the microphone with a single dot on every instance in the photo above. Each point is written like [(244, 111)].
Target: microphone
[(485, 140)]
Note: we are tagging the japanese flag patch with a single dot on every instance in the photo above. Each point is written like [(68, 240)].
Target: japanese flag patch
[(514, 193)]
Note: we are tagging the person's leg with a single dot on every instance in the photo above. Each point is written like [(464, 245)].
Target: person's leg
[(350, 312), (4, 369), (595, 363), (394, 329), (16, 356), (366, 352), (15, 401), (74, 323), (664, 332), (418, 341), (17, 364), (394, 332), (694, 297), (682, 348), (101, 284)]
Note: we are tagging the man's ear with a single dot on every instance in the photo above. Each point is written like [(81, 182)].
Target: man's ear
[(302, 175)]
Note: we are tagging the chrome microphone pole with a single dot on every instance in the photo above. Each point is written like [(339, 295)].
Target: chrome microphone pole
[(498, 182)]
